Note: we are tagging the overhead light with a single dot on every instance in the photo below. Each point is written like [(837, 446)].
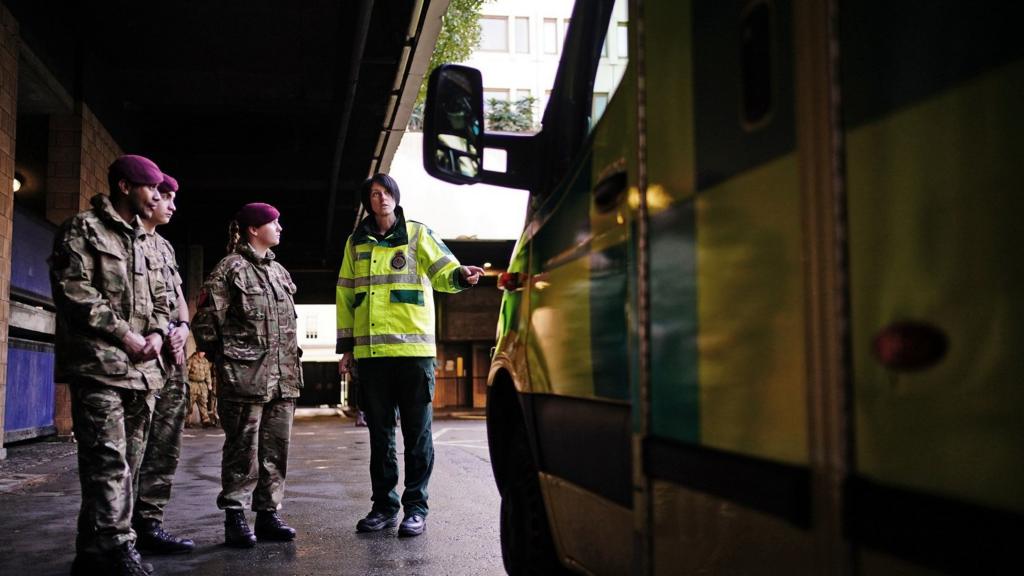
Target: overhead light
[(18, 181), (487, 265)]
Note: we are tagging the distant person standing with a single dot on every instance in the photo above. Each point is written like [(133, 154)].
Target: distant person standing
[(246, 322), (386, 328), (112, 320), (163, 449), (200, 382)]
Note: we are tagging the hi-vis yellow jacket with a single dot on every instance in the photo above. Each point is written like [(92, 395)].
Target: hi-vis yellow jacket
[(384, 300)]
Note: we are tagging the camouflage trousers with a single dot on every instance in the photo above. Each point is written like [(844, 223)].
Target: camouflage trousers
[(110, 425), (255, 457), (198, 396), (163, 450)]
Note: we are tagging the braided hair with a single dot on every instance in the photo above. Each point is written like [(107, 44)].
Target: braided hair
[(234, 236)]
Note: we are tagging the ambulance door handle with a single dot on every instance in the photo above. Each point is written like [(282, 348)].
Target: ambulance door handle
[(609, 190)]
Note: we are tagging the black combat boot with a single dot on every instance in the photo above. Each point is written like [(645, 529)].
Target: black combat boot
[(269, 526), (122, 560), (236, 530), (125, 561), (153, 539)]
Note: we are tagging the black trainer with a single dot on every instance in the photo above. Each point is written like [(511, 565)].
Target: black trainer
[(269, 526), (153, 539), (412, 525), (376, 521), (236, 530)]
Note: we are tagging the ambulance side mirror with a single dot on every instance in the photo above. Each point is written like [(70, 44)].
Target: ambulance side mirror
[(453, 125)]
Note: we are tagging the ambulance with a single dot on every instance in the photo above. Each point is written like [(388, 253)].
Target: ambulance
[(766, 315)]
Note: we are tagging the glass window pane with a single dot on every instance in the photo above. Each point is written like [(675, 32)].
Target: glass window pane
[(610, 70), (600, 103), (494, 33), (550, 36), (523, 35)]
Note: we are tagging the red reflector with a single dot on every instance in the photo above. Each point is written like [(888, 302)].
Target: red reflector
[(910, 346), (509, 281)]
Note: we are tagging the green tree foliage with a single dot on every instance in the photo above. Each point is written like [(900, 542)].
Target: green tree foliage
[(505, 116), (459, 37)]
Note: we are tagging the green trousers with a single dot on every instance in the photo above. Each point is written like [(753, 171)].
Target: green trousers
[(405, 384)]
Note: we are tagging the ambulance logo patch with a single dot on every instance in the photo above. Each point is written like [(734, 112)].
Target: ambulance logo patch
[(398, 262)]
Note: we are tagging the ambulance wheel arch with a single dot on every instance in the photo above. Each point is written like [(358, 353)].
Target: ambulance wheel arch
[(527, 546)]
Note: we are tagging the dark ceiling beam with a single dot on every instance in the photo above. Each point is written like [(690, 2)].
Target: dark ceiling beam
[(242, 184), (358, 47)]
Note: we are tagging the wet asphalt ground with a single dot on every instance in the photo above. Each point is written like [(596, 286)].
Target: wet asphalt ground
[(328, 491)]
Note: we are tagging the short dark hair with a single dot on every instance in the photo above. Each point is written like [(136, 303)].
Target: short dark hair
[(384, 180)]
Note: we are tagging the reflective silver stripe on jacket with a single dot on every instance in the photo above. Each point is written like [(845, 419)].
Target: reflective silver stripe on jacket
[(414, 242), (437, 266), (395, 339), (380, 279), (344, 332), (362, 255), (346, 283)]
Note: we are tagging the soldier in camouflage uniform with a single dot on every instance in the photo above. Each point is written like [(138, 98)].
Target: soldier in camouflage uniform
[(200, 384), (156, 474), (112, 319), (246, 322)]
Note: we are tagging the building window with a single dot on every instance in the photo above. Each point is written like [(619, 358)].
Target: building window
[(551, 36), (311, 327), (494, 33), (600, 103), (623, 40), (523, 35)]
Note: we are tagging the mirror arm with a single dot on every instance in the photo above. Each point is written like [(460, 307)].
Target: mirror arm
[(520, 166)]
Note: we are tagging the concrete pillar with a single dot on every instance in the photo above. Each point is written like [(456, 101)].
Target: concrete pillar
[(9, 42)]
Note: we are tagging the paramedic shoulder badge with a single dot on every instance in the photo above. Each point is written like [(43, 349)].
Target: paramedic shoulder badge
[(398, 262)]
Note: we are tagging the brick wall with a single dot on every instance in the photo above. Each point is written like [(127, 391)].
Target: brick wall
[(80, 151), (8, 115), (98, 151)]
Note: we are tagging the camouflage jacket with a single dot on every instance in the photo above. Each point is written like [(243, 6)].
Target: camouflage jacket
[(245, 322), (199, 370), (107, 280), (172, 279)]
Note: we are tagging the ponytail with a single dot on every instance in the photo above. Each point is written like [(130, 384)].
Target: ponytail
[(234, 237)]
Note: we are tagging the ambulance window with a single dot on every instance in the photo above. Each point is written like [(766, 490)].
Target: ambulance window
[(610, 69), (756, 62)]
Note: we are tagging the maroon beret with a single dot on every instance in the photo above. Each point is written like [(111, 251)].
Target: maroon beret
[(136, 169), (256, 214), (168, 185)]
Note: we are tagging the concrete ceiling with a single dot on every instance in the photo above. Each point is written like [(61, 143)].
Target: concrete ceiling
[(288, 102)]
